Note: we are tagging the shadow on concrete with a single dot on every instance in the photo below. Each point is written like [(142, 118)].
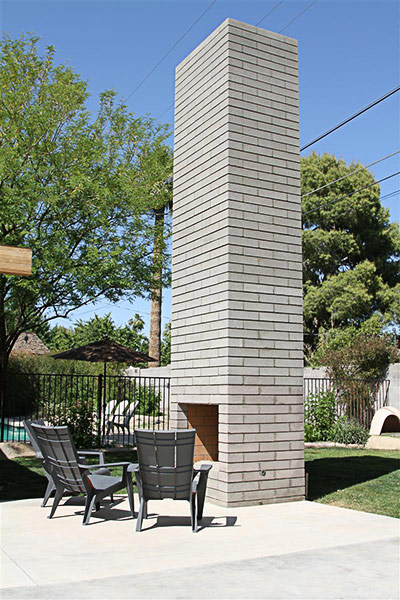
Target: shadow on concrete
[(206, 522), (327, 475)]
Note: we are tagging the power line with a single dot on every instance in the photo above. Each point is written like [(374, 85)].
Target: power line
[(163, 113), (321, 206), (350, 174), (270, 12), (170, 50), (299, 15), (395, 193), (257, 24), (357, 114)]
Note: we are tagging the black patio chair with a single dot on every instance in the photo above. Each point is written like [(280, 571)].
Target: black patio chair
[(81, 453), (61, 460), (165, 470)]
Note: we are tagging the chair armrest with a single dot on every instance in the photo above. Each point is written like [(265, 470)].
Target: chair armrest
[(99, 453), (133, 468), (203, 469), (90, 467)]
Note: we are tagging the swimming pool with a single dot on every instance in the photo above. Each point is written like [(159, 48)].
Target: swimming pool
[(14, 433)]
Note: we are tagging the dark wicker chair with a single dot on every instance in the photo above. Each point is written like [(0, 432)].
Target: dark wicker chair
[(62, 461), (165, 470)]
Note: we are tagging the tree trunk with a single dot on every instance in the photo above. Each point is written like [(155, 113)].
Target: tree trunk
[(156, 293)]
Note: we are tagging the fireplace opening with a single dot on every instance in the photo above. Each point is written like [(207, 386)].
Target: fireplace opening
[(204, 418)]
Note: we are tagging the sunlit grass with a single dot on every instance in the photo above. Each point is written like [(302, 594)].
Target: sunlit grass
[(366, 480)]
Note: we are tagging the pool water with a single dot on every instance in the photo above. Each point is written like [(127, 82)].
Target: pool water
[(13, 434)]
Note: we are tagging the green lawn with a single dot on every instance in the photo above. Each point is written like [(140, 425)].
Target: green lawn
[(367, 480)]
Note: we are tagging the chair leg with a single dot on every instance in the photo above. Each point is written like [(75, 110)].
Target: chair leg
[(90, 502), (129, 487), (56, 502), (142, 509), (193, 513), (97, 506), (47, 494), (201, 494)]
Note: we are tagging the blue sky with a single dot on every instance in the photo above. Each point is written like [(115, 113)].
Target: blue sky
[(348, 57)]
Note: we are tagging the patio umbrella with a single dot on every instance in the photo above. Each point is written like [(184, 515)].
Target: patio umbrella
[(104, 351)]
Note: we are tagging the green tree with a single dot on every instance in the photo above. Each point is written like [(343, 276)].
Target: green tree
[(166, 346), (351, 250), (73, 188), (97, 328)]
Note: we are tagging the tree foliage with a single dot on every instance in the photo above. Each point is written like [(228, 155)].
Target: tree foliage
[(166, 346), (351, 250), (74, 188), (96, 329), (367, 358)]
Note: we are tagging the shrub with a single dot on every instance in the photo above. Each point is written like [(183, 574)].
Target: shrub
[(21, 395), (319, 416), (79, 419), (368, 357), (149, 400), (129, 389), (349, 431)]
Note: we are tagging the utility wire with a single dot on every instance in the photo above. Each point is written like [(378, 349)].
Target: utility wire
[(257, 24), (270, 12), (163, 113), (299, 15), (395, 193), (357, 114), (335, 200), (350, 174), (170, 50)]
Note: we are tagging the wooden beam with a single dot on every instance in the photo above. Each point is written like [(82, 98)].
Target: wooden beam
[(15, 261)]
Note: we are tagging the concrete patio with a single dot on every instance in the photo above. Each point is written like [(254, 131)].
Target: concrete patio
[(292, 550)]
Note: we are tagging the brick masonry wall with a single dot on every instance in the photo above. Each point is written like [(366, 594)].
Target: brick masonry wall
[(237, 297)]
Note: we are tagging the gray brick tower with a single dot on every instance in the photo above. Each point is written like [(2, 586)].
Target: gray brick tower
[(237, 345)]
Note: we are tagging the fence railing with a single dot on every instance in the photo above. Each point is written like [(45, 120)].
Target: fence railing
[(106, 409), (358, 399), (111, 407)]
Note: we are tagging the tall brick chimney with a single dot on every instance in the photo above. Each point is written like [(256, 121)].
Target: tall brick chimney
[(237, 346)]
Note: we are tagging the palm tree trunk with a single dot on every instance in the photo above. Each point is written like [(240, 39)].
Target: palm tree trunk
[(156, 293)]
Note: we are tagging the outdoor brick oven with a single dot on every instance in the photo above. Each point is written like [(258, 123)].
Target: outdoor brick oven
[(237, 355)]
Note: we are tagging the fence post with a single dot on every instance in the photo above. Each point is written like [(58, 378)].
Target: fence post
[(2, 405), (99, 405)]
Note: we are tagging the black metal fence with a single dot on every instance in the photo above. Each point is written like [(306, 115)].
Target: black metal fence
[(108, 409), (358, 399), (98, 409)]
